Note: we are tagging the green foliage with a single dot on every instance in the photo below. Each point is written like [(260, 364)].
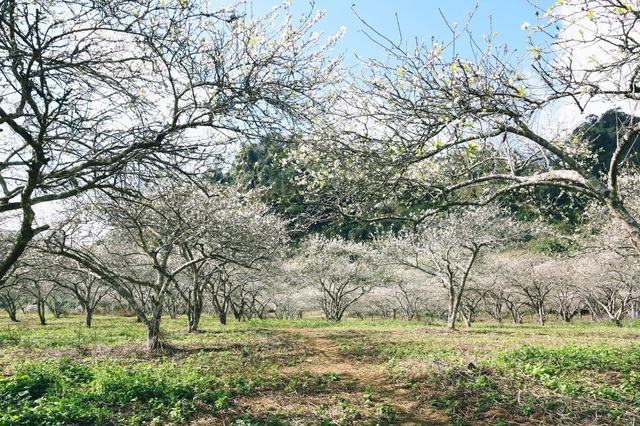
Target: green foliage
[(547, 245), (309, 383), (573, 358), (574, 371), (387, 414), (479, 389), (600, 382), (250, 421), (75, 393), (600, 135), (43, 394), (68, 332), (263, 166)]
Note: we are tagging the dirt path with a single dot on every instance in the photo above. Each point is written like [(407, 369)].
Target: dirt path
[(325, 357)]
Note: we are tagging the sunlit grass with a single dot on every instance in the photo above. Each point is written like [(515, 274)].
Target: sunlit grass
[(559, 373)]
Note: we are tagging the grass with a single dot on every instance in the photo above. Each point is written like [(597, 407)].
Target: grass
[(317, 372)]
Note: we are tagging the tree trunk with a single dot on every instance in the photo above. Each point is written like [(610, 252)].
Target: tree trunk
[(541, 315), (193, 317), (593, 311), (12, 315), (467, 319), (452, 312), (516, 318), (11, 307), (222, 317), (42, 312), (631, 225), (88, 316), (26, 232), (237, 314), (55, 310), (451, 321), (153, 333)]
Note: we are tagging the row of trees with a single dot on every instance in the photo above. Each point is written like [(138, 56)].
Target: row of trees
[(123, 114), (513, 285), (186, 251), (65, 289), (167, 243), (505, 285)]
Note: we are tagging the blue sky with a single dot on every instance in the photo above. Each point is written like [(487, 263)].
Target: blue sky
[(418, 18)]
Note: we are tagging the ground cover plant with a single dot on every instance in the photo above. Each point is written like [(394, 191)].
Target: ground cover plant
[(311, 371)]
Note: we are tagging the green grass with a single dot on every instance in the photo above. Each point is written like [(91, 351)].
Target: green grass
[(601, 373), (76, 393), (561, 373), (260, 372), (69, 392)]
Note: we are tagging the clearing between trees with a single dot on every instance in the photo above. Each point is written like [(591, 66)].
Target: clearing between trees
[(277, 372)]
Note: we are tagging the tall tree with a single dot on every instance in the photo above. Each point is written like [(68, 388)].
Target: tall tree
[(454, 129), (98, 95)]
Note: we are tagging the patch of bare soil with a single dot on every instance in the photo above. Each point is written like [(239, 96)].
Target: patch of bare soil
[(326, 358), (364, 386)]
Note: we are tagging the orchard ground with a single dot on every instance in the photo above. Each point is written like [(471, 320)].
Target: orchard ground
[(274, 372)]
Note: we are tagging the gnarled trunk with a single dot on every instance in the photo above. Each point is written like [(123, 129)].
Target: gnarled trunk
[(12, 314), (193, 318), (453, 308), (9, 304), (542, 315), (153, 333), (516, 314), (194, 310), (42, 307), (516, 318), (467, 320), (237, 314), (153, 324), (88, 316)]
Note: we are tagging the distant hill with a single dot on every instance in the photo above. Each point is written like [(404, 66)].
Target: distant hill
[(602, 133)]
